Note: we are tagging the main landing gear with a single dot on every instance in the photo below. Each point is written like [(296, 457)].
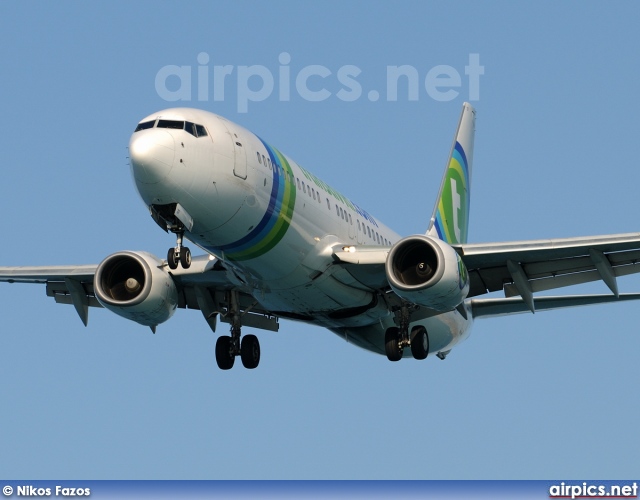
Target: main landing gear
[(179, 254), (228, 347), (397, 338)]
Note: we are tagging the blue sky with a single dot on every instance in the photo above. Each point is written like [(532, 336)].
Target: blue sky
[(527, 397)]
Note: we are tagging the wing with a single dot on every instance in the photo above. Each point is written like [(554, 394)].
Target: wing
[(524, 267), (203, 286), (520, 268), (66, 284)]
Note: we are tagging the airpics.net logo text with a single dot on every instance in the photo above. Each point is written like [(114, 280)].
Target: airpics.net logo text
[(314, 82)]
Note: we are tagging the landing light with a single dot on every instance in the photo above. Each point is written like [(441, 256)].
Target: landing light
[(350, 249)]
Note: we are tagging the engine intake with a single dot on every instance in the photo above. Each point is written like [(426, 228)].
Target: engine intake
[(428, 272), (122, 278), (134, 285)]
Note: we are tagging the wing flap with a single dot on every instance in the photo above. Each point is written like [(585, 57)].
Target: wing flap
[(66, 299), (541, 285), (489, 308)]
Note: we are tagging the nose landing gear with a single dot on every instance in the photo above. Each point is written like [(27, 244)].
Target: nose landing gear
[(179, 254), (165, 216)]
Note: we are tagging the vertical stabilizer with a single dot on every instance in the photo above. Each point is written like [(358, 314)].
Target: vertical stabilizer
[(450, 219)]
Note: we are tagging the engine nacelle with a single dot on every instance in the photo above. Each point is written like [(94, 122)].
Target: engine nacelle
[(428, 272), (135, 286)]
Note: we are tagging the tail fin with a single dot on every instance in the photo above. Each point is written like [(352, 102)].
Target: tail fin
[(450, 219)]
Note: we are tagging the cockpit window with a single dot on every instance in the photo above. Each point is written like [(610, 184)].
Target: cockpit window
[(144, 125), (170, 124), (190, 127), (193, 128), (202, 132)]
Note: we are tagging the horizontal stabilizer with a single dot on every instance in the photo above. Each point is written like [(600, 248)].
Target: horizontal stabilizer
[(490, 308)]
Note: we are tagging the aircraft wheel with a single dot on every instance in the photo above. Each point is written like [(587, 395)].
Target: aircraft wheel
[(224, 357), (171, 259), (250, 351), (185, 258), (419, 342), (392, 345)]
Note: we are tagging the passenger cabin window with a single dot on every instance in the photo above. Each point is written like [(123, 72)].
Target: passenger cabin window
[(259, 160), (145, 125)]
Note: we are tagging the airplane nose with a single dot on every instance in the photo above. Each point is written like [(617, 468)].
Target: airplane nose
[(151, 153)]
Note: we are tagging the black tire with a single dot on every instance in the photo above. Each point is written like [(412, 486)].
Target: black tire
[(392, 345), (250, 351), (171, 259), (185, 258), (224, 358), (419, 342)]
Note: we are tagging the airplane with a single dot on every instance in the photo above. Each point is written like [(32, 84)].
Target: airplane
[(279, 243)]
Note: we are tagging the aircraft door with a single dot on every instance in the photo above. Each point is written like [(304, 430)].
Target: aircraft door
[(352, 227), (240, 163), (239, 155)]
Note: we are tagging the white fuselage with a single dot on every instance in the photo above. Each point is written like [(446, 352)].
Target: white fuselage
[(274, 223)]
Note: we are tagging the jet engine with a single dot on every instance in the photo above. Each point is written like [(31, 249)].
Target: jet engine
[(134, 285), (428, 272)]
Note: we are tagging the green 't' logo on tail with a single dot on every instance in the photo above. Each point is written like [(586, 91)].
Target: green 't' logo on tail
[(452, 215)]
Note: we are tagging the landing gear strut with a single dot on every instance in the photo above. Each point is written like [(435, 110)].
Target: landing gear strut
[(396, 338), (228, 347), (179, 254), (165, 216)]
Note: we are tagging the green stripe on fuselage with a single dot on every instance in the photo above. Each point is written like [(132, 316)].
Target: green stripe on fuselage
[(285, 216)]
